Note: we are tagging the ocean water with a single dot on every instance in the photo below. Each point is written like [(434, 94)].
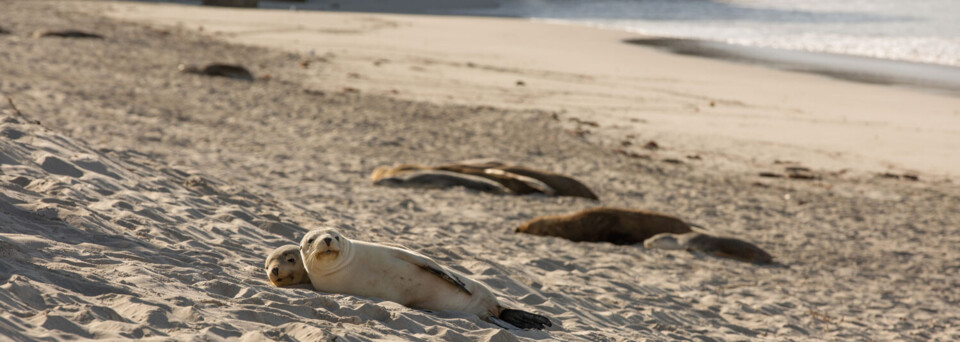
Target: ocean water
[(925, 31)]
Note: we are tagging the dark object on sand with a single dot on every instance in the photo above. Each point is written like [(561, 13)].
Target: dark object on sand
[(563, 185), (519, 180), (720, 247), (438, 179), (617, 226), (67, 34), (231, 3), (4, 31), (217, 69)]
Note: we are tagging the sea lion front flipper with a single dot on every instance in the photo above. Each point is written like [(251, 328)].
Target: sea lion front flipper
[(524, 320), (432, 267)]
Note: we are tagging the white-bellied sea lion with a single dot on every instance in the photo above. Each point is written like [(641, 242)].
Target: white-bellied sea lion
[(336, 264), (617, 226), (285, 267), (716, 246)]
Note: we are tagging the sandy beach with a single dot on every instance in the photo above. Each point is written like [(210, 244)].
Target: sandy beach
[(139, 203)]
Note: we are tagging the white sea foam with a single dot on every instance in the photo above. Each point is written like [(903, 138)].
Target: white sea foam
[(925, 31)]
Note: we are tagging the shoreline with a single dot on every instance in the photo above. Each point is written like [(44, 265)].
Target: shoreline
[(930, 77)]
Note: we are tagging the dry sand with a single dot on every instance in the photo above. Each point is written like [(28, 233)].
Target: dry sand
[(138, 202)]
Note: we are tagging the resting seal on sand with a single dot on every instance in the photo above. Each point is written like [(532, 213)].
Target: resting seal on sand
[(519, 180), (66, 34), (217, 69), (389, 171), (563, 185), (617, 226), (517, 184), (336, 264), (437, 179), (285, 267), (712, 245)]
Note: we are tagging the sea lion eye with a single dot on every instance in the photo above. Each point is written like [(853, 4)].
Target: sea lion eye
[(310, 241), (337, 237), (291, 260)]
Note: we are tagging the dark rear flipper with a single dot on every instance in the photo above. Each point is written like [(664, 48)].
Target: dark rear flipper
[(524, 320)]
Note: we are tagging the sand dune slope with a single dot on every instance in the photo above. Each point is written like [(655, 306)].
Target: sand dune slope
[(144, 201)]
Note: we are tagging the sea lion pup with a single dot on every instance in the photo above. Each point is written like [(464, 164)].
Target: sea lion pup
[(617, 226), (336, 264), (285, 267), (218, 69), (717, 246), (437, 179)]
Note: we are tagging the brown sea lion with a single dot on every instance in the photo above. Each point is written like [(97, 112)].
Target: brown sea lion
[(617, 226), (518, 184), (563, 185), (716, 246), (284, 266), (218, 69), (66, 34)]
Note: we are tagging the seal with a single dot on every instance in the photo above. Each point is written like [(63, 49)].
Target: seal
[(389, 171), (516, 184), (336, 264), (720, 247), (563, 185), (437, 179), (218, 69), (613, 225), (66, 34), (519, 180), (560, 184), (284, 266)]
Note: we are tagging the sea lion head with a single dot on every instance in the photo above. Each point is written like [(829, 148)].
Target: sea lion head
[(539, 225), (188, 68), (393, 182), (663, 241), (390, 171), (285, 267), (324, 248)]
